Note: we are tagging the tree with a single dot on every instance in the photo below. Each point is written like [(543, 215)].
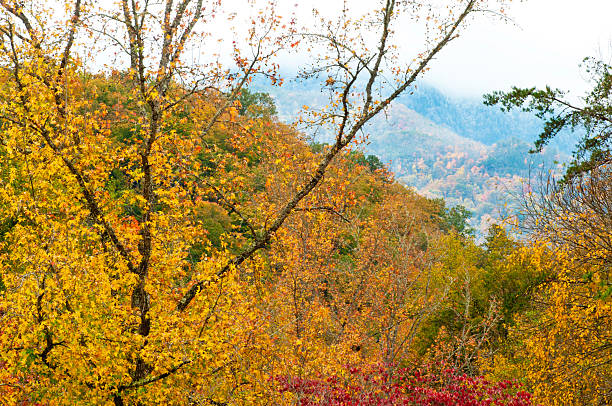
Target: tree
[(568, 339), (567, 334), (559, 112), (350, 274), (456, 218), (113, 290), (256, 104)]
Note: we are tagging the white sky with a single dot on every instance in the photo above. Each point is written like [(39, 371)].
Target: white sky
[(545, 46)]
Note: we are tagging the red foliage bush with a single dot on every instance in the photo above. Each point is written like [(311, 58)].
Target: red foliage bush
[(405, 387)]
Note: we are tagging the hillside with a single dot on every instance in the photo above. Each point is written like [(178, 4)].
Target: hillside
[(174, 232), (460, 150)]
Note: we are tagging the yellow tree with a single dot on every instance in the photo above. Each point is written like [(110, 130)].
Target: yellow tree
[(567, 339), (112, 290)]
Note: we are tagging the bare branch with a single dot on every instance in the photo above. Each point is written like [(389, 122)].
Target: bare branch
[(73, 27), (317, 177)]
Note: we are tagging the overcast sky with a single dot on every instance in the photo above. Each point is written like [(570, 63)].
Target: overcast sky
[(545, 46)]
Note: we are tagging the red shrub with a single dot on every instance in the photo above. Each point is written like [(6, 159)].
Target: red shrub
[(405, 387)]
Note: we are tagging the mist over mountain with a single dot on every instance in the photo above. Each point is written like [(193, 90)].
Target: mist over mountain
[(457, 149), (470, 118)]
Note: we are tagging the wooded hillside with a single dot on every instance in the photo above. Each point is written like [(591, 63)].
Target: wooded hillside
[(166, 239)]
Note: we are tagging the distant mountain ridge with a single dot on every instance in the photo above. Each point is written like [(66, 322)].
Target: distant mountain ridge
[(457, 149), (470, 118)]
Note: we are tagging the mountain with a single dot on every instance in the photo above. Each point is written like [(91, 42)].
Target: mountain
[(470, 118), (457, 149)]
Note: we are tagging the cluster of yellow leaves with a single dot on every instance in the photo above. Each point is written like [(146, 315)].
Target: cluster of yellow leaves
[(129, 203), (567, 344), (341, 282), (69, 329), (563, 345)]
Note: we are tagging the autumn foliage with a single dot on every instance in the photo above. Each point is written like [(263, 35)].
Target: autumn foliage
[(377, 387), (165, 239)]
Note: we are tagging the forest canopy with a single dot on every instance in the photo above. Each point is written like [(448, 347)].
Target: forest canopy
[(166, 239)]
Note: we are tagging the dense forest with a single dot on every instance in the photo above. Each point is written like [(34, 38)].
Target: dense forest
[(168, 236)]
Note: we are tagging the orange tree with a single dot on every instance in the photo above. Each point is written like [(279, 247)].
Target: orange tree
[(351, 275), (113, 287)]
